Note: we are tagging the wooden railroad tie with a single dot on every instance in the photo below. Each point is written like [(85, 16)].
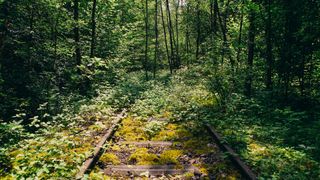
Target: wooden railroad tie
[(153, 170), (148, 143)]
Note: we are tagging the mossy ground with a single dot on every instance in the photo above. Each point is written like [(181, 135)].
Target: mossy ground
[(188, 149)]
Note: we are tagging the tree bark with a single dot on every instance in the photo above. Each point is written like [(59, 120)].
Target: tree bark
[(269, 48), (240, 35), (77, 32), (147, 39), (4, 29), (215, 12), (188, 36), (170, 27), (177, 34), (212, 19), (198, 30), (157, 41), (223, 26), (93, 28), (251, 36), (165, 38)]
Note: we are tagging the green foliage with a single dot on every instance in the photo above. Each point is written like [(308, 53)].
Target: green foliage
[(276, 141), (153, 128), (11, 133)]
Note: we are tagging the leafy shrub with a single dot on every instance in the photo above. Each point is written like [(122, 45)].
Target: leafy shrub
[(276, 141), (10, 133)]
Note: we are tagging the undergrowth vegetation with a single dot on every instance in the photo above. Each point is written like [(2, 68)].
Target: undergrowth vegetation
[(271, 140), (276, 141)]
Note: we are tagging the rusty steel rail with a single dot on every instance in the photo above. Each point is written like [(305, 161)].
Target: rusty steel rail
[(90, 162), (245, 170)]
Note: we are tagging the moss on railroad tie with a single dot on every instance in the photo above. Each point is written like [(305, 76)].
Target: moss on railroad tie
[(132, 130), (109, 158), (141, 156)]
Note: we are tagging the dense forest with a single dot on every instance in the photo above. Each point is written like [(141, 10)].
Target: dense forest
[(249, 68)]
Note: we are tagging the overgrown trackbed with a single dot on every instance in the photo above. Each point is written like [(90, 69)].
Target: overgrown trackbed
[(156, 148)]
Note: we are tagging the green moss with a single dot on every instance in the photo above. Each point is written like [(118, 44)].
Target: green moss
[(142, 157), (198, 146), (202, 168), (97, 174), (109, 158), (8, 177), (97, 127), (172, 132), (170, 157), (165, 135), (132, 130)]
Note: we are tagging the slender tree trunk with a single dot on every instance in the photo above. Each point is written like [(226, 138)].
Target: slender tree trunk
[(55, 41), (165, 38), (240, 38), (56, 70), (198, 30), (177, 34), (188, 36), (212, 19), (223, 31), (286, 50), (170, 27), (3, 36), (251, 35), (223, 25), (93, 28), (215, 12), (31, 42), (157, 42), (147, 39), (269, 48), (213, 28), (4, 30), (77, 32), (31, 27), (302, 77)]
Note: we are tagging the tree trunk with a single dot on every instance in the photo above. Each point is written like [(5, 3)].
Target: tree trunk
[(147, 39), (77, 32), (223, 26), (4, 30), (157, 42), (212, 19), (286, 50), (173, 62), (198, 30), (93, 28), (177, 34), (188, 37), (215, 12), (240, 36), (251, 36), (165, 38), (269, 48), (3, 36)]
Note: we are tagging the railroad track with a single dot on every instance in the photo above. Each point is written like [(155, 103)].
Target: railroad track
[(171, 154)]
